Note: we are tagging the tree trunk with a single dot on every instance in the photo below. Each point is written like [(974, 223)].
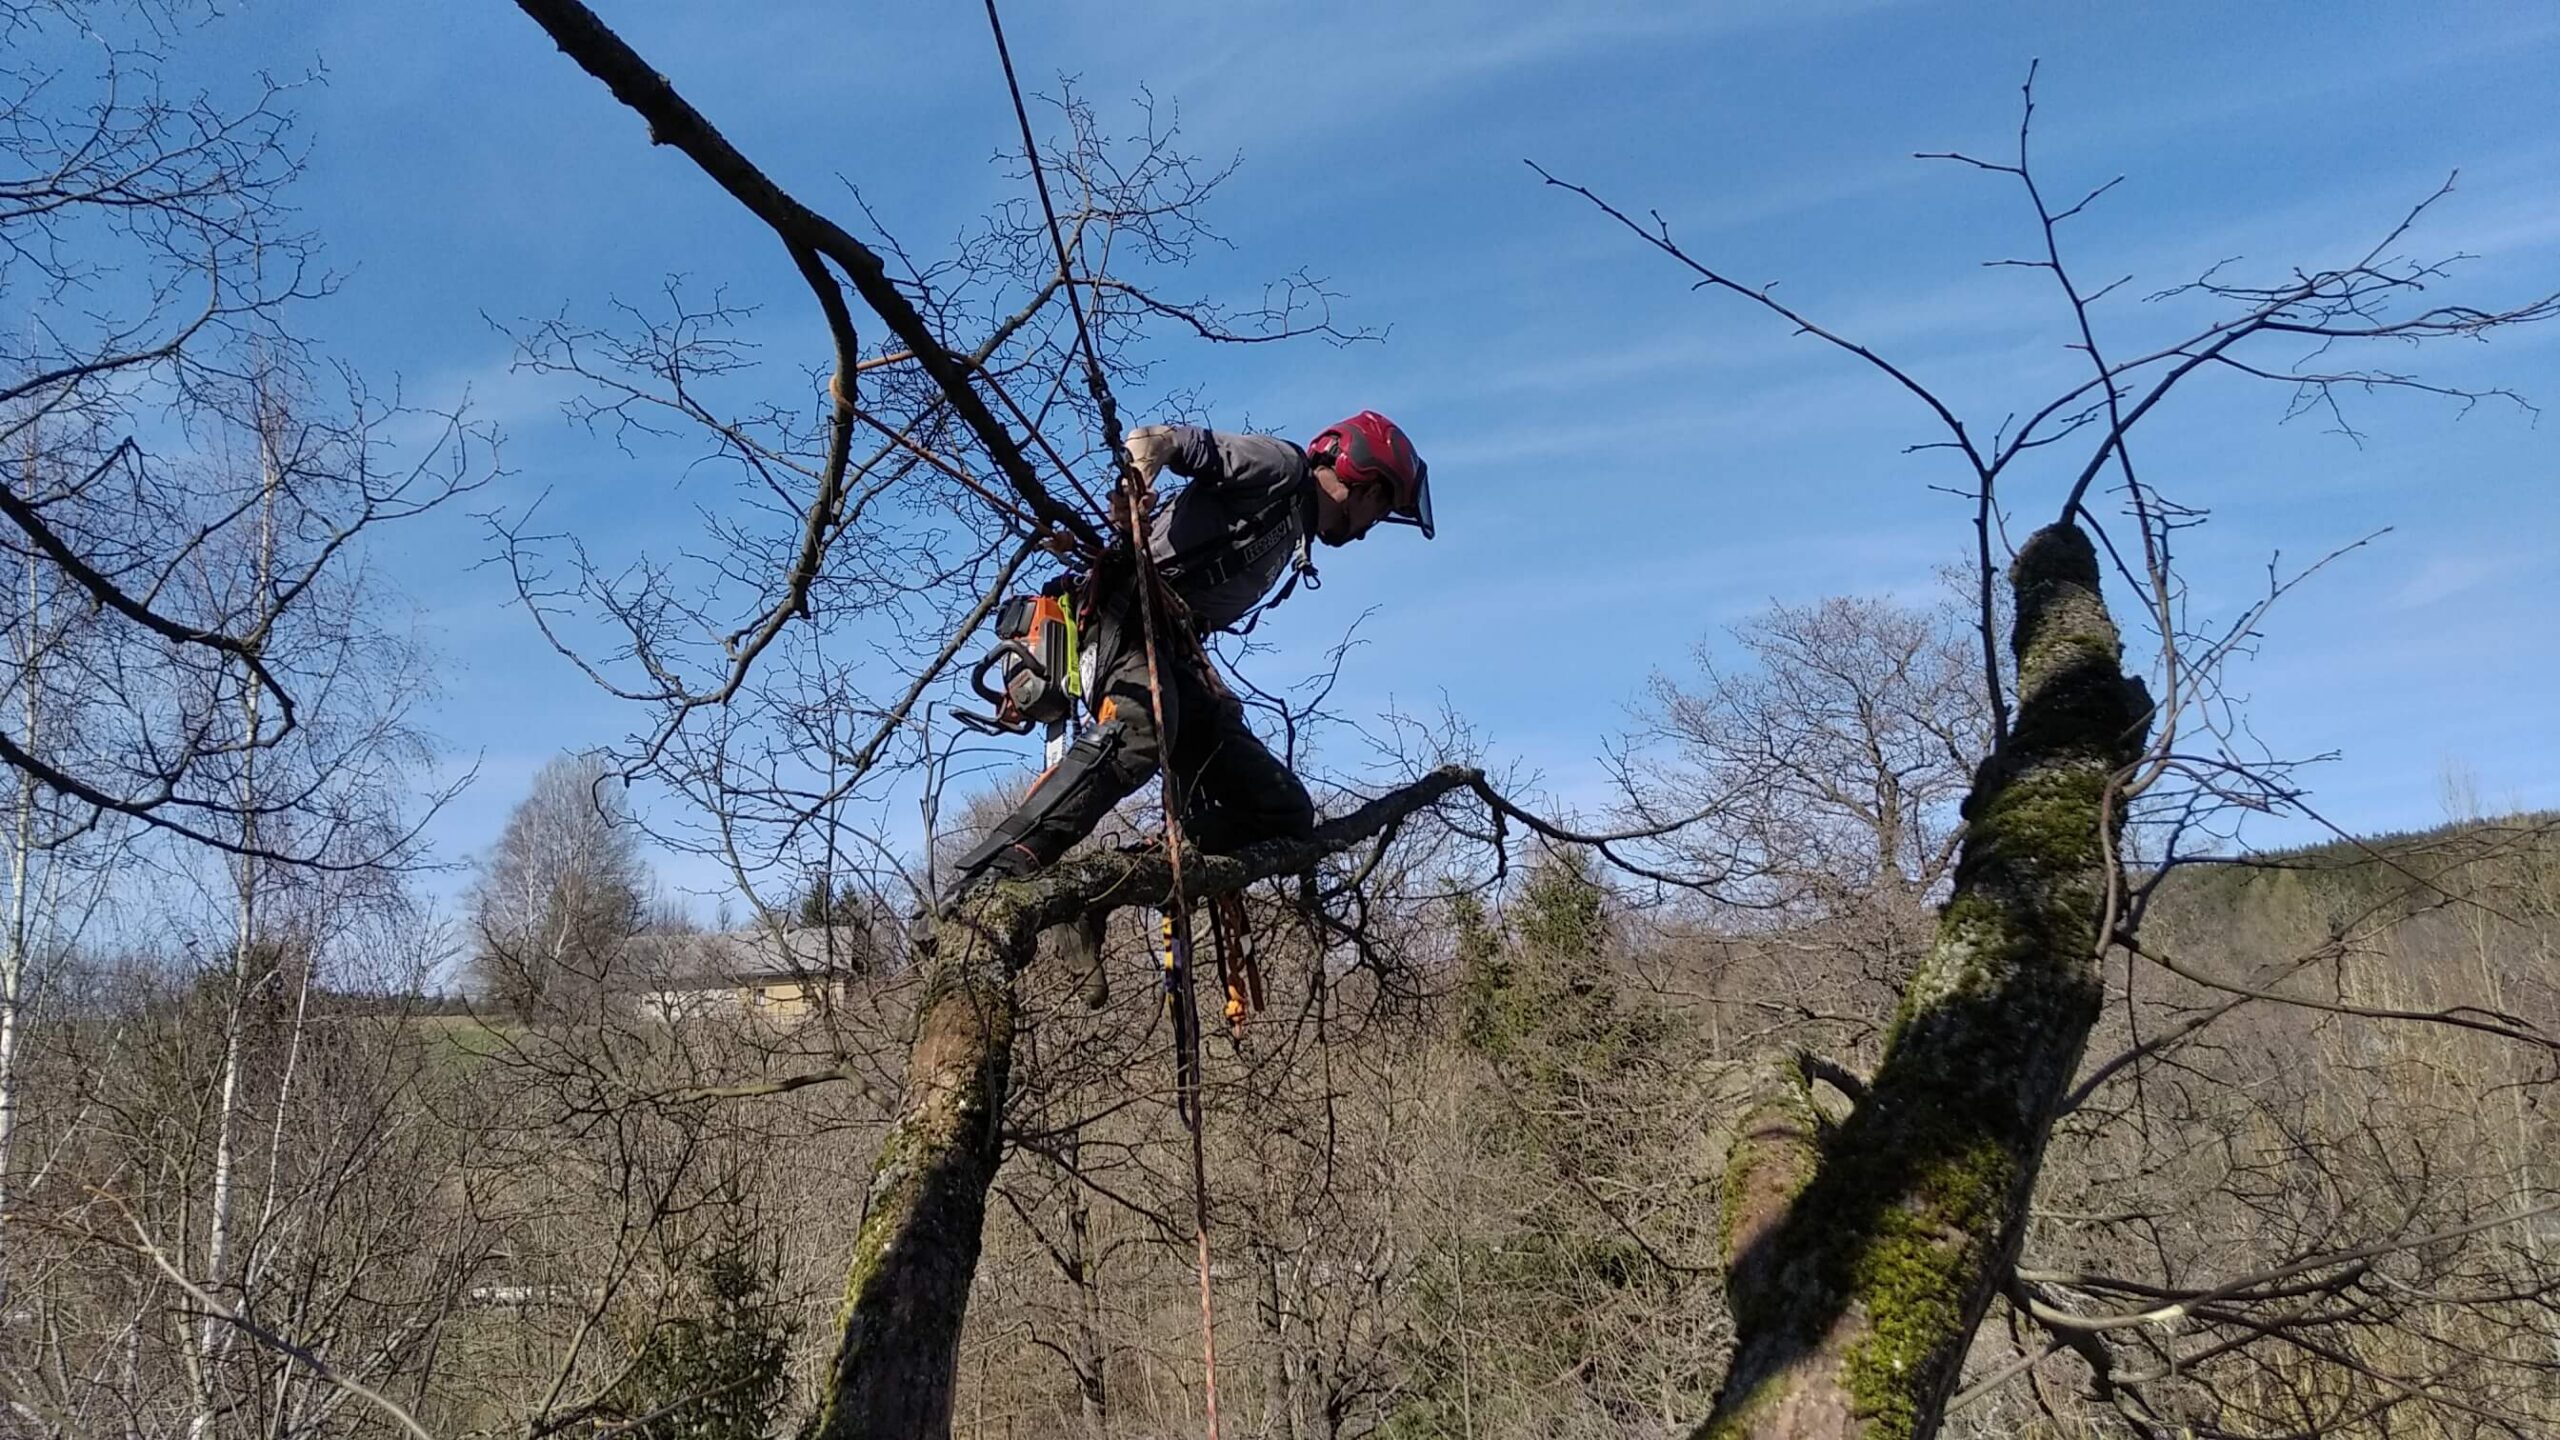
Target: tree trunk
[(214, 1337), (907, 1289), (1280, 1407), (1093, 1345), (13, 944), (1859, 1263), (913, 1258)]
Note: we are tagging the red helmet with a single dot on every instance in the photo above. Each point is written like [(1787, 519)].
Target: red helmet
[(1368, 449)]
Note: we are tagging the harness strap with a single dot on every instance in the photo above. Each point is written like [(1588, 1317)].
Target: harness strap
[(1216, 562), (1227, 561), (1302, 564)]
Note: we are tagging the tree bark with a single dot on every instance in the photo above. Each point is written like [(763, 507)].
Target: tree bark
[(1093, 1346), (907, 1289), (913, 1258), (1860, 1261)]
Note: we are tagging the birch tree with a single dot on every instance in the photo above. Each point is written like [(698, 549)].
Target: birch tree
[(561, 893)]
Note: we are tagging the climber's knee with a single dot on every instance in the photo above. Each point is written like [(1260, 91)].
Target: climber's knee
[(1063, 807)]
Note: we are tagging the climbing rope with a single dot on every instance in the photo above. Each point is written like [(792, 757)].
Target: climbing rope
[(1182, 996)]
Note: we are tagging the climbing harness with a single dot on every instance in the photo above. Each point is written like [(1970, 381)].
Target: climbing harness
[(1039, 645), (1210, 565)]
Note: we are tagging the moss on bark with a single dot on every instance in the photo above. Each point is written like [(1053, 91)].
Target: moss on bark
[(907, 1284), (1853, 1311)]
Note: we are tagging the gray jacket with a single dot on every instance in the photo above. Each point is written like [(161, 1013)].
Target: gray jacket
[(1226, 538)]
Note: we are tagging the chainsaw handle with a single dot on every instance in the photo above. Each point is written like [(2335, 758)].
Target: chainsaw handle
[(990, 724), (996, 724), (995, 657)]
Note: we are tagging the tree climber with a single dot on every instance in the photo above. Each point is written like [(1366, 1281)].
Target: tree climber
[(1253, 505)]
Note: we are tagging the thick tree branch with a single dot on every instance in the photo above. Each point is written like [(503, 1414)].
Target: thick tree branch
[(673, 121), (917, 1250)]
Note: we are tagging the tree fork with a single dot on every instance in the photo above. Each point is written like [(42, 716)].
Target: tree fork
[(1859, 1262), (907, 1287)]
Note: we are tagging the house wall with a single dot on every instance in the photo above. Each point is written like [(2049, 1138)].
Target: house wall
[(778, 1000)]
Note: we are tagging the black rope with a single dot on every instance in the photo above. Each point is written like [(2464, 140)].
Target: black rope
[(1093, 378)]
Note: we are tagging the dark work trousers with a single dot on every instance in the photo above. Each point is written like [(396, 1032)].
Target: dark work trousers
[(1235, 792)]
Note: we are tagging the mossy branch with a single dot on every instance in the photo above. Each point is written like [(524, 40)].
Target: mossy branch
[(1855, 1302)]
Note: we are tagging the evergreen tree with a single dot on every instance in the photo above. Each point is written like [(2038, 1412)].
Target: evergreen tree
[(717, 1373)]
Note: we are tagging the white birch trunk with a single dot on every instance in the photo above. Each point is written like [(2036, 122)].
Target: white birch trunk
[(213, 1335), (13, 947)]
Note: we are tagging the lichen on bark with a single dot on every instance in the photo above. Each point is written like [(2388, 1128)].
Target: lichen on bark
[(1853, 1310)]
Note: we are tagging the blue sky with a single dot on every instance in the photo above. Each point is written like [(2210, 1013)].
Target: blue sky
[(1623, 467)]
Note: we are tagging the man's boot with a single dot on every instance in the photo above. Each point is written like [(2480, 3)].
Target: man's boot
[(1079, 944)]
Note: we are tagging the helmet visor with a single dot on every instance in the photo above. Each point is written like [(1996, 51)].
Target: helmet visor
[(1417, 514)]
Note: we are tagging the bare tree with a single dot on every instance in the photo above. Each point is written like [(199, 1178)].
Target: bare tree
[(1929, 1175), (200, 1162), (877, 508), (1864, 1254), (145, 237), (1830, 765), (156, 1094), (561, 894), (60, 851), (997, 434), (1826, 769)]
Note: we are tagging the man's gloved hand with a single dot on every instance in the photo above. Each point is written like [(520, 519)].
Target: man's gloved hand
[(1149, 447)]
